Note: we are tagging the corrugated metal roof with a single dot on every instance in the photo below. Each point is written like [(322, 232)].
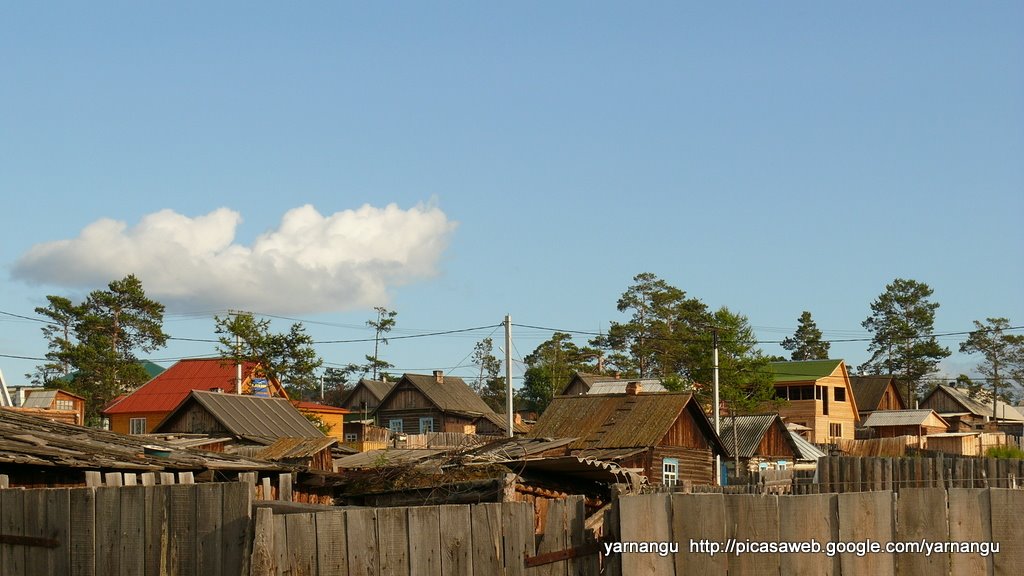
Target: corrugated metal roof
[(618, 420), (805, 450), (619, 386), (900, 418), (285, 448), (803, 370), (164, 392), (40, 399), (509, 448), (751, 430), (251, 416)]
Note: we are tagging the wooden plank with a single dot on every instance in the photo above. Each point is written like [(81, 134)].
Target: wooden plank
[(36, 557), (131, 480), (267, 490), (186, 478), (58, 525), (262, 561), (284, 487), (108, 520), (332, 554), (302, 542), (755, 519), (612, 563), (1007, 530), (456, 541), (112, 479), (209, 527), (970, 520), (921, 514), (157, 529), (147, 479), (181, 524), (701, 519), (806, 519), (83, 531), (12, 522), (487, 544), (646, 518), (517, 527), (393, 541), (132, 532), (553, 538), (167, 478), (235, 528), (425, 541), (361, 542), (582, 539), (864, 515), (282, 559)]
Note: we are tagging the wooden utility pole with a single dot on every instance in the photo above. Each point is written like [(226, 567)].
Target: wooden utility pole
[(508, 373)]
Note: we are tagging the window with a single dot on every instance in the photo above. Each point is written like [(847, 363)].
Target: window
[(835, 430), (426, 425), (670, 471), (137, 426), (395, 425), (840, 394), (65, 404), (351, 437)]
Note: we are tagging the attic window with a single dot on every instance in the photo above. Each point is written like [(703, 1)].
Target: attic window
[(840, 394)]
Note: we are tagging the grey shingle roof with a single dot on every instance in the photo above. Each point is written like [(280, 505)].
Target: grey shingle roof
[(451, 395)]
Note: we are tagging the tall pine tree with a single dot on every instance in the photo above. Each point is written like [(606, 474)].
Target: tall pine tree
[(806, 342)]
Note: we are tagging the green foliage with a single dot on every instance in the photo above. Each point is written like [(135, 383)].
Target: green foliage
[(663, 333), (374, 367), (92, 345), (902, 344), (489, 384), (550, 367), (1004, 452), (1002, 354), (335, 384), (806, 343), (288, 357)]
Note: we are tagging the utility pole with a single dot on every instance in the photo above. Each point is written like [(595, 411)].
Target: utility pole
[(508, 372), (718, 424), (238, 354)]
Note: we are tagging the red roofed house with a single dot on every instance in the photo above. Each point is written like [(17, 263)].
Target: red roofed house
[(140, 411)]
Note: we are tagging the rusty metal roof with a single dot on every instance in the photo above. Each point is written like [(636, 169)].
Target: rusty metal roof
[(619, 420), (285, 448)]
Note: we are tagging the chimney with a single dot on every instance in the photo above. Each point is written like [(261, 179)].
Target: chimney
[(439, 376), (633, 388)]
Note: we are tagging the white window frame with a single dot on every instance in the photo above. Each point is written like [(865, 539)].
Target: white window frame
[(136, 425), (395, 425), (351, 437), (61, 404), (429, 420), (670, 471)]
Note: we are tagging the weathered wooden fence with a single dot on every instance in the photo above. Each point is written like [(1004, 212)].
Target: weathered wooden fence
[(480, 539), (856, 474), (141, 530), (913, 515)]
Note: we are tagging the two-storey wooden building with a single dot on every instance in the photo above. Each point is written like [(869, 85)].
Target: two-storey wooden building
[(876, 393), (419, 403), (818, 395)]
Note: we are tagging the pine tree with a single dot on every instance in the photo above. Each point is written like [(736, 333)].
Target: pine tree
[(806, 342)]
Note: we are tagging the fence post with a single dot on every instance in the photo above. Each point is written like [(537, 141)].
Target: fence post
[(262, 560)]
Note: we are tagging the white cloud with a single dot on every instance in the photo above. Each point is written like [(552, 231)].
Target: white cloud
[(310, 263)]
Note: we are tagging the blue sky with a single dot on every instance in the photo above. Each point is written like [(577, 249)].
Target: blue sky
[(769, 157)]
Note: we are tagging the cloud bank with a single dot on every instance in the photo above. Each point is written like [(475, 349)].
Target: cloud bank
[(310, 263)]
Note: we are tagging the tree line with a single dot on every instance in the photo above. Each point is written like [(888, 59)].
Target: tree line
[(93, 348)]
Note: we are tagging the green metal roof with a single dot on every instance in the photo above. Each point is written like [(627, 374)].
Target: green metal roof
[(803, 370)]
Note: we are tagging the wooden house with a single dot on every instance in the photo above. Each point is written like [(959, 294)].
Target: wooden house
[(584, 383), (893, 423), (418, 404), (332, 417), (364, 398), (758, 438), (251, 419), (58, 405), (818, 395), (957, 406), (876, 393), (666, 437), (141, 411)]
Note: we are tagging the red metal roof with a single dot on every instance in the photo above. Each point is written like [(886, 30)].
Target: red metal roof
[(164, 392), (317, 407)]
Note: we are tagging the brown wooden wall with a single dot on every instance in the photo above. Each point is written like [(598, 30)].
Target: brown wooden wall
[(774, 444), (194, 419), (686, 433), (354, 402)]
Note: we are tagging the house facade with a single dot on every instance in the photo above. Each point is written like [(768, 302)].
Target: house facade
[(364, 398), (665, 436), (957, 406), (418, 404), (141, 411), (58, 405), (817, 395)]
